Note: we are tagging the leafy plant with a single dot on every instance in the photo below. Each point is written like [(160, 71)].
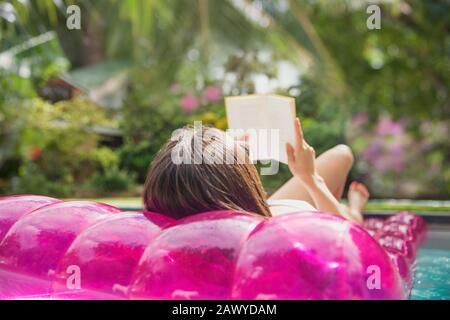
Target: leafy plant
[(59, 146), (32, 180), (111, 180)]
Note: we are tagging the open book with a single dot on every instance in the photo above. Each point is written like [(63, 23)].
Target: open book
[(268, 121)]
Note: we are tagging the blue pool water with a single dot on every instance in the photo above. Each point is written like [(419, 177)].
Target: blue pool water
[(432, 277)]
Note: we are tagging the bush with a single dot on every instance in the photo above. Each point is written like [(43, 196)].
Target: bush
[(31, 180), (58, 148), (401, 158), (149, 119), (112, 180)]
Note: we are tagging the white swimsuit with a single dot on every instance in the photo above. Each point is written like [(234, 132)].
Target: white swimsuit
[(295, 204)]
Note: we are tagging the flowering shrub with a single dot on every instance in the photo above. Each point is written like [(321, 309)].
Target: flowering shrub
[(401, 158), (190, 102), (149, 120), (59, 150)]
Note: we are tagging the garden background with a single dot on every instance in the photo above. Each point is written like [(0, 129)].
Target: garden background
[(83, 112)]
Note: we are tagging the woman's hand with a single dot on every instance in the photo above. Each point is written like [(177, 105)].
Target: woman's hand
[(302, 157), (301, 161)]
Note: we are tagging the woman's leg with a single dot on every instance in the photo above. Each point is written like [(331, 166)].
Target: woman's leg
[(333, 166)]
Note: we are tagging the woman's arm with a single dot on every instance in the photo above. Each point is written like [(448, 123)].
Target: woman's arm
[(301, 160)]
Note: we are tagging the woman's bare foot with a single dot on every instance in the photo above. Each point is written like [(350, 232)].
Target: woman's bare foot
[(358, 196)]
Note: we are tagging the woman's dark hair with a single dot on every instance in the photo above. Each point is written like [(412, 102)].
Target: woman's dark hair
[(202, 170)]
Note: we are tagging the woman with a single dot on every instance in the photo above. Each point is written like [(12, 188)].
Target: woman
[(182, 189)]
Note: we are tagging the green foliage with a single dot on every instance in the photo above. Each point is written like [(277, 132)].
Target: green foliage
[(109, 177), (400, 70), (59, 146), (25, 66), (148, 122), (32, 180), (111, 180)]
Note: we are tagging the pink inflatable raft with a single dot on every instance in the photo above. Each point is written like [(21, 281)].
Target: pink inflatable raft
[(51, 249)]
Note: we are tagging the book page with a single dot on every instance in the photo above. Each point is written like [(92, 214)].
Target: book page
[(247, 112), (282, 116), (269, 119)]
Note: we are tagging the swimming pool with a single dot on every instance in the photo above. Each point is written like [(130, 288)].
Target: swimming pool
[(432, 277)]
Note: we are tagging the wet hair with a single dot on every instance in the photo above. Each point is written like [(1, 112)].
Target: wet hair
[(202, 170)]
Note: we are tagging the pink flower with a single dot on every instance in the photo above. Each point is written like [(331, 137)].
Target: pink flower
[(372, 152), (388, 127), (212, 94), (189, 103), (382, 164), (386, 156), (360, 119), (397, 157)]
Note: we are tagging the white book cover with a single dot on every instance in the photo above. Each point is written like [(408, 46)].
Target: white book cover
[(268, 121)]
